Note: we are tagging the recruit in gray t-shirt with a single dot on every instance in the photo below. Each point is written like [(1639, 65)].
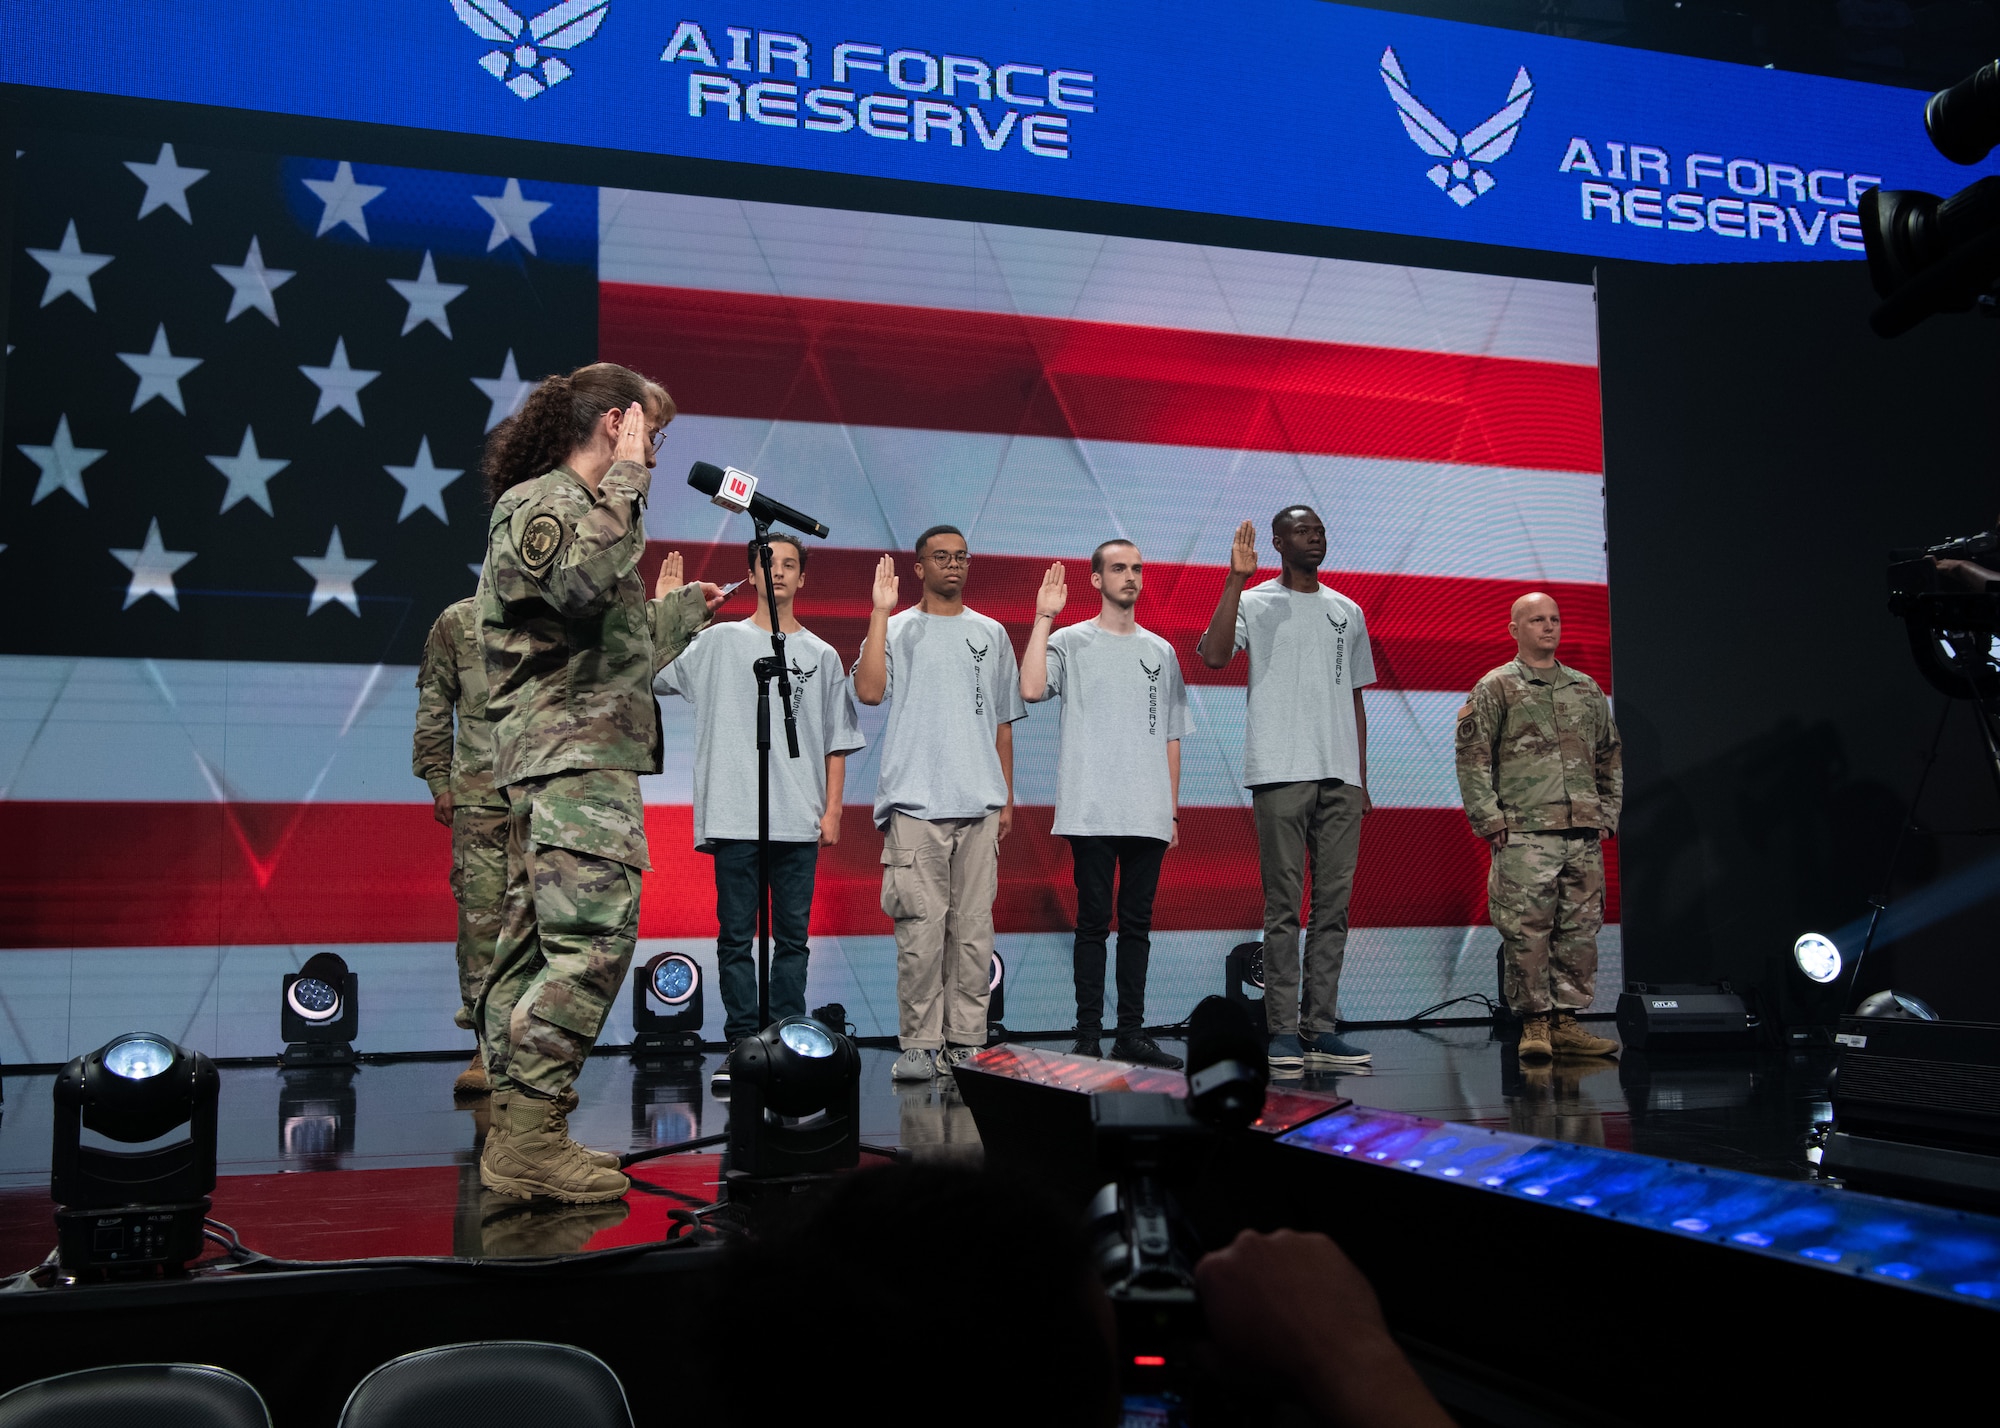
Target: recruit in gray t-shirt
[(1308, 654), (953, 681), (1122, 703), (714, 674)]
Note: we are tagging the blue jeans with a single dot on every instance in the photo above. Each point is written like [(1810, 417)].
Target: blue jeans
[(792, 868)]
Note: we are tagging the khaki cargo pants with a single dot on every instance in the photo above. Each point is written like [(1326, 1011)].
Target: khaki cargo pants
[(938, 883)]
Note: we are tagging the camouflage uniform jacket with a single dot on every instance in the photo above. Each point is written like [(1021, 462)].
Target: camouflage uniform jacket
[(1537, 749), (453, 677), (570, 639)]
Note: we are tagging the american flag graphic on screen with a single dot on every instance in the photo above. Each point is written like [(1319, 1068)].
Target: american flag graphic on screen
[(245, 400)]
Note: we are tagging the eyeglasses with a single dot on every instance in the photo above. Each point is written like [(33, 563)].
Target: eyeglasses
[(946, 559), (659, 440)]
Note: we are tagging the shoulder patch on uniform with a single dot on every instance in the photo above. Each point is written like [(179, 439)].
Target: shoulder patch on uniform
[(540, 541), (1464, 710)]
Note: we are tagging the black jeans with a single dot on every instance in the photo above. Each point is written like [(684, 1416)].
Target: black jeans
[(1137, 862), (792, 868)]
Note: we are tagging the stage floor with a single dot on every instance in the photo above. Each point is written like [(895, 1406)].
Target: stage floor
[(379, 1161)]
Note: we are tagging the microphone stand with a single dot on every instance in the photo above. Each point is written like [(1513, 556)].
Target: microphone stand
[(772, 666)]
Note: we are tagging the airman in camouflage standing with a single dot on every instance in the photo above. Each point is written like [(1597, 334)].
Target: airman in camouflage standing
[(1539, 771), (459, 769), (571, 646)]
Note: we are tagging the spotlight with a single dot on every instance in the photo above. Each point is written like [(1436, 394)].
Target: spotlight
[(320, 1013), (996, 1001), (1243, 983), (1817, 957), (795, 1102), (1899, 1005), (119, 1208), (667, 1003)]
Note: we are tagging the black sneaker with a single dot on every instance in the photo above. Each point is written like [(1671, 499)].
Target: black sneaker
[(1141, 1048), (718, 1079), (1087, 1043)]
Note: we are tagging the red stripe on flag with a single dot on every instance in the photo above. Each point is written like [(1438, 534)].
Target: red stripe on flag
[(877, 364), (1428, 631), (202, 874)]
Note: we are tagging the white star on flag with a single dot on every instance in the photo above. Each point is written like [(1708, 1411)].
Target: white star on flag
[(512, 216), (249, 473), (506, 391), (69, 269), (424, 483), (333, 576), (63, 463), (167, 183), (427, 297), (160, 373), (152, 566), (344, 200), (253, 286), (339, 384)]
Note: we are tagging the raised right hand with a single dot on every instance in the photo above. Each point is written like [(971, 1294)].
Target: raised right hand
[(1054, 594), (1243, 551), (633, 442), (887, 585)]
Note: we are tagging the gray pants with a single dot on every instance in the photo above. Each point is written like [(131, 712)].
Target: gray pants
[(1314, 825), (938, 883)]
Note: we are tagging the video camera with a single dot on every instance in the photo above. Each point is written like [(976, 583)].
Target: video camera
[(1150, 1146), (1951, 615)]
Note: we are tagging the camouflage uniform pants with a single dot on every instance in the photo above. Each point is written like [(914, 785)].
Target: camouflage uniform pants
[(1546, 898), (568, 925), (479, 882)]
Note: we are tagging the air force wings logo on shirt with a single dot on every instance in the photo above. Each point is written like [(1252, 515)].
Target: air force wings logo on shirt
[(522, 66), (1339, 626), (1458, 175)]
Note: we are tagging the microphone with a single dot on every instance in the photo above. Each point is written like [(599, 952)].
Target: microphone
[(736, 490), (1227, 1066)]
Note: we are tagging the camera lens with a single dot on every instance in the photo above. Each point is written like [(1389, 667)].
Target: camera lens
[(1964, 121)]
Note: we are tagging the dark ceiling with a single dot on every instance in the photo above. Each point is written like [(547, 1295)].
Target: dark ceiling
[(1918, 44)]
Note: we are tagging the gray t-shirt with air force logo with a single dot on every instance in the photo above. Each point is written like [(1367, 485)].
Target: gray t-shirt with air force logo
[(953, 681), (1309, 652), (1122, 703)]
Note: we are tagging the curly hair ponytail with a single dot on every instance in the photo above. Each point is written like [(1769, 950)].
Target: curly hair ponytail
[(558, 417)]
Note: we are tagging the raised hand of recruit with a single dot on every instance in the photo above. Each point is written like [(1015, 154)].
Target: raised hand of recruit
[(669, 579), (1054, 594), (1243, 551), (634, 442), (887, 585)]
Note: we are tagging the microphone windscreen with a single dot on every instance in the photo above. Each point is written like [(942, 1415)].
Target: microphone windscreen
[(705, 478)]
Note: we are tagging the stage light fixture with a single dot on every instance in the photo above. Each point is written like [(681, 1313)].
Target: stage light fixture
[(1818, 958), (668, 999), (1243, 982), (795, 1102), (133, 1208), (1901, 1005), (320, 1013), (996, 1000)]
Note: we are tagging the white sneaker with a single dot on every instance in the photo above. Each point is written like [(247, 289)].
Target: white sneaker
[(953, 1057), (916, 1064)]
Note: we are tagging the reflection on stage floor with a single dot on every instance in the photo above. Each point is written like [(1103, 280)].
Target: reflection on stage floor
[(378, 1160)]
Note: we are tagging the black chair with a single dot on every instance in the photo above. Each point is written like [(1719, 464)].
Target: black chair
[(478, 1385), (158, 1395)]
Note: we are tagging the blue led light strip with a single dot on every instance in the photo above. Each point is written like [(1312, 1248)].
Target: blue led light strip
[(1950, 1253)]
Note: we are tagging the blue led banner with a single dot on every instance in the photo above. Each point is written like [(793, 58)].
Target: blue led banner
[(1275, 109)]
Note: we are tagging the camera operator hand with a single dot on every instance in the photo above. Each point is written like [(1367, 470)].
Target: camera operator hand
[(1293, 1307)]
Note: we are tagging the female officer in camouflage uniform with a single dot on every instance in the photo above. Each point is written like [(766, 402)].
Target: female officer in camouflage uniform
[(571, 645)]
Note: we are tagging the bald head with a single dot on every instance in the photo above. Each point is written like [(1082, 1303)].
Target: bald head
[(1536, 626)]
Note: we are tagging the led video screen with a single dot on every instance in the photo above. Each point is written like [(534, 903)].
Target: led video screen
[(247, 394)]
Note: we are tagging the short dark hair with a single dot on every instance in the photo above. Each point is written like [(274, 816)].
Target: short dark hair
[(931, 534), (1097, 556), (780, 538), (1279, 518)]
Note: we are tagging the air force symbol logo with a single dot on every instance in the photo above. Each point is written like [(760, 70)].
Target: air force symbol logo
[(1457, 175), (560, 27)]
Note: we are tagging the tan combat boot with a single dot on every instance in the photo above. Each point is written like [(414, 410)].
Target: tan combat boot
[(565, 1102), (472, 1080), (527, 1156), (1534, 1045), (1570, 1039)]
